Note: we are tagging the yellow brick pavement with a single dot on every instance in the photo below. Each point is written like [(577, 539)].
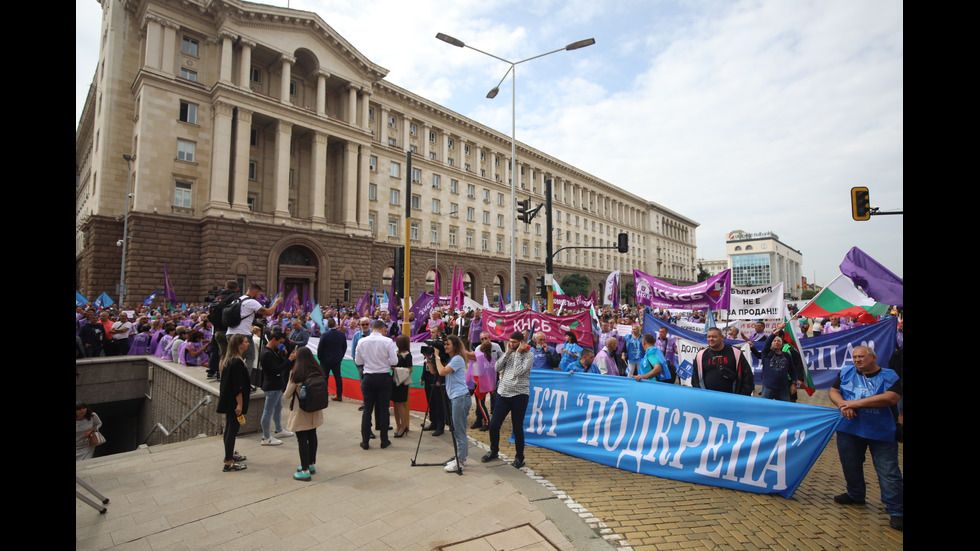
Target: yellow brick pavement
[(658, 513)]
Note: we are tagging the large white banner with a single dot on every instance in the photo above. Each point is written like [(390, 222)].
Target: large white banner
[(764, 301)]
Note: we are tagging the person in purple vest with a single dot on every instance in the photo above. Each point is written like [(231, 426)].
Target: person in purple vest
[(605, 360)]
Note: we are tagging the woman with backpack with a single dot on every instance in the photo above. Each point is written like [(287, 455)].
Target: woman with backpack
[(303, 423)]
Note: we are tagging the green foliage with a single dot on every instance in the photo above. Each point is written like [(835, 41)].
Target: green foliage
[(573, 284)]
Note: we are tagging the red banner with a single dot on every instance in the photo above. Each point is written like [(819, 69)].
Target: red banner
[(500, 325)]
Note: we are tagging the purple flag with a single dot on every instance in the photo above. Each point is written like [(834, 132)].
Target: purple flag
[(876, 280), (168, 287), (307, 302), (421, 309)]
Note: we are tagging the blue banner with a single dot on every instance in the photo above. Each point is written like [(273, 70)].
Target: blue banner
[(824, 355), (681, 433)]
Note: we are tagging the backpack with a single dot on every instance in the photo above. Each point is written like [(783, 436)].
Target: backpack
[(216, 311), (231, 315), (317, 395)]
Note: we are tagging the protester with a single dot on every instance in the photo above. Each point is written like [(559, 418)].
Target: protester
[(514, 369), (866, 395), (721, 367)]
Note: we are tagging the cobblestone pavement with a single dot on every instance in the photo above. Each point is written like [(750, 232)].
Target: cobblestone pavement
[(658, 513)]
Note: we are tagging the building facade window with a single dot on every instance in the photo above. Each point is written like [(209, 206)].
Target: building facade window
[(392, 226), (396, 170), (185, 150), (189, 46), (188, 74), (188, 113), (373, 164), (182, 195), (394, 196)]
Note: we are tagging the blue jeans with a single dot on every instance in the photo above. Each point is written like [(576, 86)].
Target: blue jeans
[(776, 393), (460, 411), (852, 450), (271, 412), (516, 406)]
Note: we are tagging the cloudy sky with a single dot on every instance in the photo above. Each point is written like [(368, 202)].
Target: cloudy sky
[(752, 115)]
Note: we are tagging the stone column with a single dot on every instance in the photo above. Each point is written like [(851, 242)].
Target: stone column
[(220, 155), (352, 104), (227, 49), (444, 157), (287, 71), (153, 42), (245, 69), (321, 92), (350, 185), (284, 131), (242, 156), (364, 180), (169, 47), (406, 135), (318, 177), (365, 105)]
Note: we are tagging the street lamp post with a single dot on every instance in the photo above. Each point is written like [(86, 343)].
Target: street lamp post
[(125, 240), (512, 71)]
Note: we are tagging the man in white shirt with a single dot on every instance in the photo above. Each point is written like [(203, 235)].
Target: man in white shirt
[(376, 354), (249, 308)]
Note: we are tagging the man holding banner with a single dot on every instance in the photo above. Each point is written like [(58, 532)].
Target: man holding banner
[(866, 394), (722, 368)]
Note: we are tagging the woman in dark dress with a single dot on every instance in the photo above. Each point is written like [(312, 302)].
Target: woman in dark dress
[(233, 398), (399, 393)]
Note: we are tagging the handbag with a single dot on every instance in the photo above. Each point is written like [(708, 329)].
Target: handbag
[(96, 439), (403, 376)]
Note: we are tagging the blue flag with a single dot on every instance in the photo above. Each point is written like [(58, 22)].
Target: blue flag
[(80, 300), (149, 299)]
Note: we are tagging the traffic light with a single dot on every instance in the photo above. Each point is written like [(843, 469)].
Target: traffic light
[(624, 243), (399, 277), (542, 288), (523, 208), (860, 203)]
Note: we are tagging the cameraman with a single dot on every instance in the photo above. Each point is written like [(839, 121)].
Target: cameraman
[(223, 299), (433, 383)]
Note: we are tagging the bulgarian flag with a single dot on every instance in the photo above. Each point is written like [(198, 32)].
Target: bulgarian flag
[(792, 334), (841, 298)]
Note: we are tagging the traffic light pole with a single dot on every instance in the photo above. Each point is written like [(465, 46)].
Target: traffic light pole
[(549, 263), (406, 279)]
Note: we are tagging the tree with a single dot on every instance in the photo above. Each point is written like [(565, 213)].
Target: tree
[(702, 273), (575, 284), (808, 294)]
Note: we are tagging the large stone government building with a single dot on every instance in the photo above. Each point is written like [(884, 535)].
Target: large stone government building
[(268, 148)]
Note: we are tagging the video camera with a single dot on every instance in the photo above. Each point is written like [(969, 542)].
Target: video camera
[(432, 345)]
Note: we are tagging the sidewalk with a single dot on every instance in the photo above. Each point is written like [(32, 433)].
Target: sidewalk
[(177, 497)]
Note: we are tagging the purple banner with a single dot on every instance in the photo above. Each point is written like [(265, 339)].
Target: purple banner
[(578, 303), (712, 293), (500, 325)]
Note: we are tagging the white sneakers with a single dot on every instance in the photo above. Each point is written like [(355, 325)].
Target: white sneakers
[(271, 441), (283, 434), (451, 466)]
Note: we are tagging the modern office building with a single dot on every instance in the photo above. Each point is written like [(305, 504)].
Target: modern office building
[(268, 149), (762, 259)]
